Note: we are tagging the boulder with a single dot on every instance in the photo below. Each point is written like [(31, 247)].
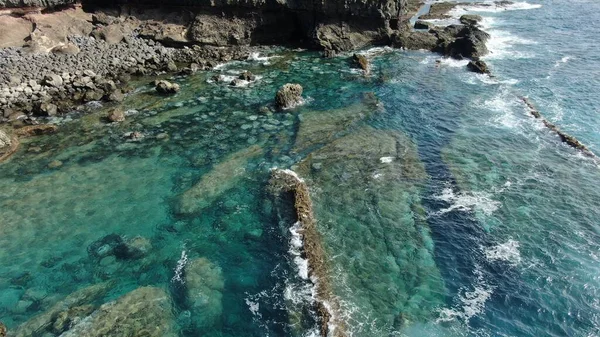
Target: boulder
[(66, 49), (166, 87), (116, 115), (5, 139), (102, 19), (420, 24), (469, 42), (478, 67), (53, 80), (247, 76), (289, 96), (204, 286), (47, 109), (93, 95), (361, 61), (116, 96), (112, 34), (470, 19), (144, 312)]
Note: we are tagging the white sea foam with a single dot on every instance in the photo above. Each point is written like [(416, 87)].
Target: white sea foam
[(491, 7), (562, 61), (296, 250), (375, 51), (254, 307), (452, 63), (179, 268), (264, 60), (468, 202), (468, 303), (508, 252)]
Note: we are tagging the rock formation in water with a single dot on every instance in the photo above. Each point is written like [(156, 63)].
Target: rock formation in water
[(289, 96), (565, 138), (204, 286), (369, 183), (320, 127), (327, 305), (43, 322), (145, 311), (223, 177)]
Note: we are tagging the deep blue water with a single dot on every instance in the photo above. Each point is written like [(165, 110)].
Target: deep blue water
[(447, 211)]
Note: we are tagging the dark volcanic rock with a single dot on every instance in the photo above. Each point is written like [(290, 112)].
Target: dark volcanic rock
[(478, 67), (470, 19), (415, 40), (420, 24)]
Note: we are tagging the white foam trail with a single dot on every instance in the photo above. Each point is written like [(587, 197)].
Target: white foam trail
[(491, 7), (296, 250), (468, 303), (508, 252), (179, 269), (468, 202)]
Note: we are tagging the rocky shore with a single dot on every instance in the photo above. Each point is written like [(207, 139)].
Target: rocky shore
[(55, 55)]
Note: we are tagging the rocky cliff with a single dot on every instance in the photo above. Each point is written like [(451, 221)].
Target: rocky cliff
[(331, 25)]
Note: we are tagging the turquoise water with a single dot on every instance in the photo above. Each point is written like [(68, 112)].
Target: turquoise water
[(444, 208)]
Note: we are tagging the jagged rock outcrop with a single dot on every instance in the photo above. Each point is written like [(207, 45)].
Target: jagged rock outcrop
[(478, 67), (289, 96)]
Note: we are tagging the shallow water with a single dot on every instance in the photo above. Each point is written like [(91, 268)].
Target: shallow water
[(443, 207)]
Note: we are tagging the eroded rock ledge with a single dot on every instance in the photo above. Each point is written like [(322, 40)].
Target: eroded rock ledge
[(328, 308)]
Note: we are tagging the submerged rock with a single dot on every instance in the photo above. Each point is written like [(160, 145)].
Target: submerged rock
[(369, 187), (204, 286), (44, 321), (289, 96), (319, 127), (166, 87), (223, 176), (115, 245), (144, 312)]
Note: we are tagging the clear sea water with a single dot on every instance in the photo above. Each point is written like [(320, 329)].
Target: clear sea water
[(444, 210)]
